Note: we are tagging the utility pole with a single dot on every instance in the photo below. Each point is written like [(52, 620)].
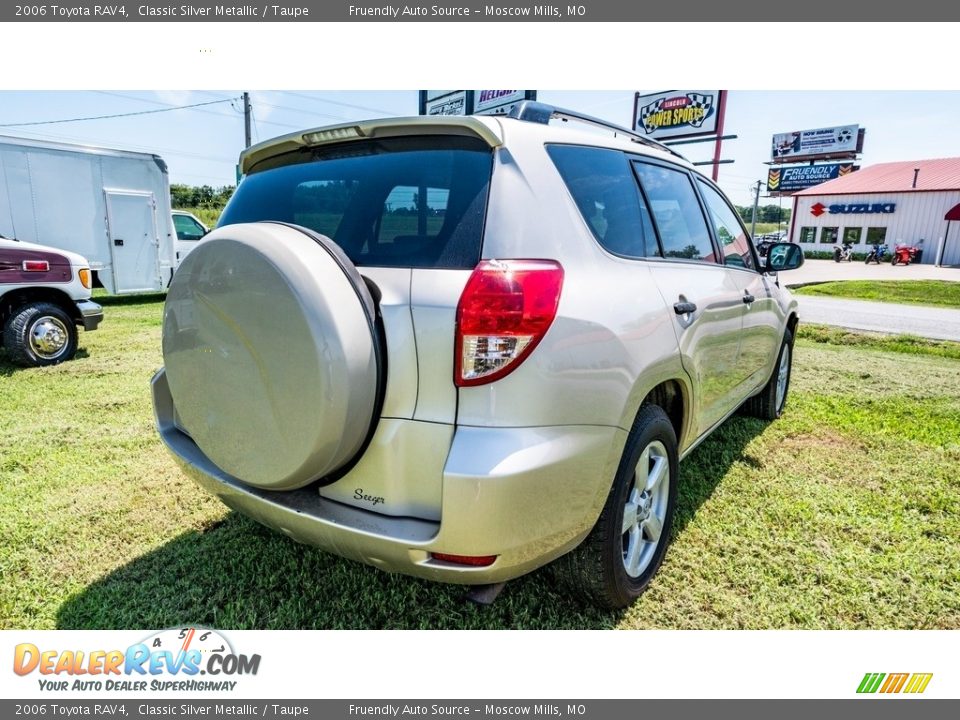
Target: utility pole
[(756, 200), (246, 119)]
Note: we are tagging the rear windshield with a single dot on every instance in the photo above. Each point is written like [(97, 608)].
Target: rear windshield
[(408, 202)]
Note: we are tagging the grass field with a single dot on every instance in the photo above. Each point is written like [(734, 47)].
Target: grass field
[(844, 514), (915, 292)]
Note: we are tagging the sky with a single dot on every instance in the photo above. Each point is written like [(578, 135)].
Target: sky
[(201, 144)]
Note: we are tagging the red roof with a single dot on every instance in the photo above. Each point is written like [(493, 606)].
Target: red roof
[(937, 174)]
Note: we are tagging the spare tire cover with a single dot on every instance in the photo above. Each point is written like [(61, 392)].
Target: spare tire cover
[(270, 353)]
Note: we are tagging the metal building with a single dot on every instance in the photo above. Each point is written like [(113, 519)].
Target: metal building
[(915, 202)]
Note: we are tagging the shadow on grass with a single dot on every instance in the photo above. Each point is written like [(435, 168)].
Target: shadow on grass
[(237, 574), (135, 299), (7, 368)]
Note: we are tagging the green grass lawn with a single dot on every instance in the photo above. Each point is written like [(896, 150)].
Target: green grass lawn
[(914, 292), (844, 514)]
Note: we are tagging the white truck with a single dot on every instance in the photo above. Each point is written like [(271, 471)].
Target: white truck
[(110, 206)]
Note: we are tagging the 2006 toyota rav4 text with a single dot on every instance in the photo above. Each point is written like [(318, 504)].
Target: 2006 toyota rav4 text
[(461, 348)]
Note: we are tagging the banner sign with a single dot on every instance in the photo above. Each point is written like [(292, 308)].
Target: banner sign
[(800, 177), (676, 113), (822, 141)]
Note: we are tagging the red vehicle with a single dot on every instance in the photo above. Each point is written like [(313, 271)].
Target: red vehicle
[(904, 254)]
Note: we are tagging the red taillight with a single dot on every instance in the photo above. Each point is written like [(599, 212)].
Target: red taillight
[(36, 266), (472, 560), (504, 311)]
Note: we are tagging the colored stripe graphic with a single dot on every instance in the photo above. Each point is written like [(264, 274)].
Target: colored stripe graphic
[(894, 683), (870, 682), (918, 683)]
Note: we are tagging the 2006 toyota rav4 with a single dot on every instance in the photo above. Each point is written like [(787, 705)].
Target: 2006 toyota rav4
[(461, 348)]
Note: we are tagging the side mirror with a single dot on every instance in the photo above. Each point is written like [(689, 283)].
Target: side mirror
[(783, 256)]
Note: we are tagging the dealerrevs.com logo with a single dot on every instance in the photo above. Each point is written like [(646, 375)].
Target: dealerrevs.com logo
[(169, 660)]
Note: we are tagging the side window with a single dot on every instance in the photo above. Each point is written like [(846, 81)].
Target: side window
[(187, 228), (605, 191), (734, 243), (677, 213)]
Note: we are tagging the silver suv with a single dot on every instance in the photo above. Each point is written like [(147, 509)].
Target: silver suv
[(462, 348)]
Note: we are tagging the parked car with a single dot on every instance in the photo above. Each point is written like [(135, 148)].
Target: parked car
[(44, 298), (462, 348), (189, 230)]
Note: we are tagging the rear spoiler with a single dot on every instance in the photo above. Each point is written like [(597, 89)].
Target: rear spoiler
[(370, 129)]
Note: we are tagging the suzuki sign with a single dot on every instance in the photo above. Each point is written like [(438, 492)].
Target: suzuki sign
[(819, 209)]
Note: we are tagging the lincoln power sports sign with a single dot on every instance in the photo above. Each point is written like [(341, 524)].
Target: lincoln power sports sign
[(677, 113), (801, 177)]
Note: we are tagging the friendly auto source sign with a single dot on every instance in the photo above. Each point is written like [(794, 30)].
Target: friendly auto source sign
[(822, 141), (676, 113), (800, 177)]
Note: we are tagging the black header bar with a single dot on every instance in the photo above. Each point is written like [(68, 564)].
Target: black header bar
[(857, 12)]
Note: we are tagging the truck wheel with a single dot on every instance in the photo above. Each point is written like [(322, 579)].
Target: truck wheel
[(40, 334), (768, 404), (620, 556)]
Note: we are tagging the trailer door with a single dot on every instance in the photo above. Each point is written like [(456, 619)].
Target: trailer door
[(134, 246)]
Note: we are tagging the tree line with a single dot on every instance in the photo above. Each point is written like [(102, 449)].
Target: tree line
[(202, 196), (765, 213)]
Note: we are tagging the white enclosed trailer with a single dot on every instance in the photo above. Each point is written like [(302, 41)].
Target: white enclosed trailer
[(111, 206)]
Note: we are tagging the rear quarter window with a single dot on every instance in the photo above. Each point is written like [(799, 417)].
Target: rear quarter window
[(405, 202), (606, 194)]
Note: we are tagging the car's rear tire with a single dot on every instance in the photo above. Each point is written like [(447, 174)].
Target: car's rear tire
[(40, 334), (768, 404), (620, 556)]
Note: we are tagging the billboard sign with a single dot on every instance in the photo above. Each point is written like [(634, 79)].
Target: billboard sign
[(676, 113), (497, 102), (472, 102), (452, 104), (838, 140), (800, 177)]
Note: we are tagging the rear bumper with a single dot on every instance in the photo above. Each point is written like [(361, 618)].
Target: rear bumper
[(91, 314), (526, 495)]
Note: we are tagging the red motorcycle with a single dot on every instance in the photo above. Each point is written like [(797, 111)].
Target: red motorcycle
[(904, 254)]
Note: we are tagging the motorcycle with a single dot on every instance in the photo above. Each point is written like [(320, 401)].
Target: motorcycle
[(877, 254), (843, 253), (904, 254)]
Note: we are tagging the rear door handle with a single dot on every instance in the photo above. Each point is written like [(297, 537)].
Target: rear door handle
[(748, 298), (684, 308)]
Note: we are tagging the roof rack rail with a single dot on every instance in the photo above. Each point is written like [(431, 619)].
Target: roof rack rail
[(538, 112)]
